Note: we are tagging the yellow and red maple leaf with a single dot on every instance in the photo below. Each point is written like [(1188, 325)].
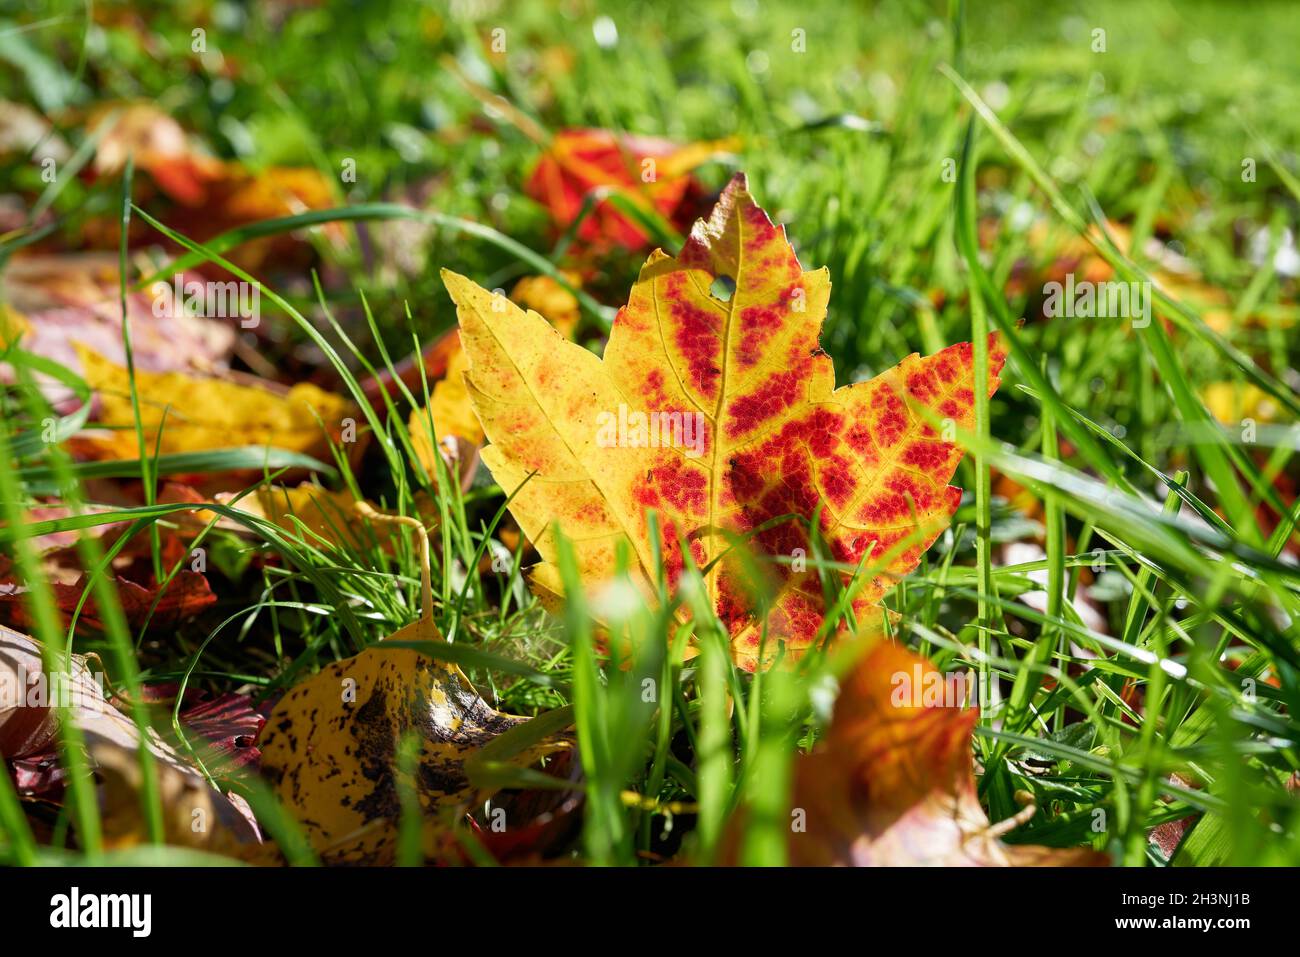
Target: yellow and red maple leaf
[(755, 430)]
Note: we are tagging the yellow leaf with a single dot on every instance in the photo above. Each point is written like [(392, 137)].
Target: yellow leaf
[(1232, 402), (449, 404), (719, 411), (207, 413), (331, 745), (13, 326), (556, 304), (312, 513), (450, 408)]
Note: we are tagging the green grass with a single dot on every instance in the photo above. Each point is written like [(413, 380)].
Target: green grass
[(850, 145)]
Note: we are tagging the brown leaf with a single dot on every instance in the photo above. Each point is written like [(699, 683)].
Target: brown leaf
[(893, 784), (186, 595), (196, 815)]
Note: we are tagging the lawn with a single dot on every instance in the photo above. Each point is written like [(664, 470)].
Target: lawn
[(1104, 197)]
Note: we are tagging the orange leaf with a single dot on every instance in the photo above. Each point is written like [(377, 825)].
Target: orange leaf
[(722, 415), (892, 783), (650, 172), (187, 594)]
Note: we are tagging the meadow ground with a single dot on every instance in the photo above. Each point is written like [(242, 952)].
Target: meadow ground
[(1120, 575)]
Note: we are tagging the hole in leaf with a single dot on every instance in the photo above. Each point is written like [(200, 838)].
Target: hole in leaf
[(724, 287)]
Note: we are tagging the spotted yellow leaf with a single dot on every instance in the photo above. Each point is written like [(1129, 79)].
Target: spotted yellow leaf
[(331, 746)]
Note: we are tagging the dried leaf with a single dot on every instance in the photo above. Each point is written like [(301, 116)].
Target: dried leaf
[(325, 515), (187, 594), (195, 815), (748, 427), (892, 782), (229, 726), (210, 413), (330, 747)]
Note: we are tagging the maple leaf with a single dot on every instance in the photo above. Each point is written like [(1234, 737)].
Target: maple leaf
[(892, 782), (756, 429), (454, 422), (581, 161)]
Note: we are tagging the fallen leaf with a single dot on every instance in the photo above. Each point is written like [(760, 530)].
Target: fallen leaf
[(544, 295), (64, 299), (195, 814), (242, 196), (430, 365), (187, 594), (325, 516), (210, 413), (892, 783), (332, 758), (749, 428), (1231, 403), (1070, 254), (25, 132), (651, 173), (449, 406), (330, 747), (222, 728), (53, 542), (159, 147), (211, 196), (229, 726)]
